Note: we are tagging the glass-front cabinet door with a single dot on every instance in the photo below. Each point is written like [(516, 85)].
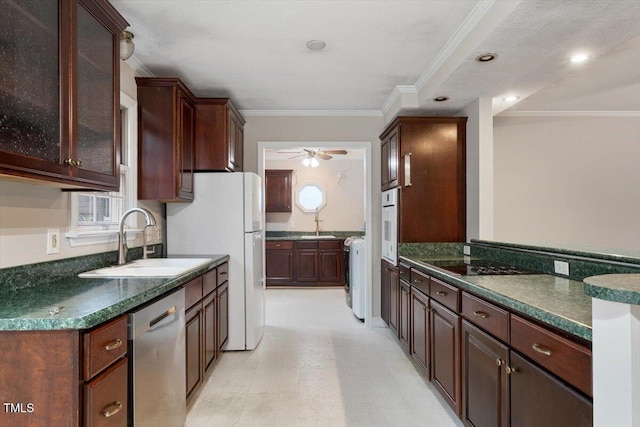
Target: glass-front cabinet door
[(97, 142), (59, 91), (32, 79)]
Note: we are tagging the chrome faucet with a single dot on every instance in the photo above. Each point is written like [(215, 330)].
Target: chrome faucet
[(122, 241), (317, 221)]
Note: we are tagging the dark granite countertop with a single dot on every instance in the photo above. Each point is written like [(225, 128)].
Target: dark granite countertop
[(556, 301), (82, 303), (297, 235), (624, 288)]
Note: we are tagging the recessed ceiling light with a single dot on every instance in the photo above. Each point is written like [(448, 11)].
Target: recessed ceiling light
[(486, 57), (316, 44), (441, 98), (580, 57), (511, 98)]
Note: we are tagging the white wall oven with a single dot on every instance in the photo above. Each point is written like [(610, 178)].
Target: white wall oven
[(390, 225)]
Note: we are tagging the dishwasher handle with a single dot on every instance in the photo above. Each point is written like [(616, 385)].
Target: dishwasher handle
[(163, 316)]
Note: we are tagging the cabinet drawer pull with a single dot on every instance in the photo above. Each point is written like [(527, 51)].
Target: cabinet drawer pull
[(541, 349), (480, 314), (112, 409), (278, 245), (441, 293), (417, 281), (113, 345), (223, 273)]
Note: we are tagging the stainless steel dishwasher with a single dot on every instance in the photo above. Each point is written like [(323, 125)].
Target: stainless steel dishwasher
[(157, 392)]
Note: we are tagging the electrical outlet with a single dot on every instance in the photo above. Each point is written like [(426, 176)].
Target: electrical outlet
[(466, 250), (561, 267), (53, 241)]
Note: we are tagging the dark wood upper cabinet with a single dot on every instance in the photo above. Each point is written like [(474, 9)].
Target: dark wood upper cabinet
[(278, 190), (425, 157), (219, 135), (165, 140), (60, 92)]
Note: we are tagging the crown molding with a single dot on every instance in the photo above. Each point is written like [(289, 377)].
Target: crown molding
[(140, 69), (311, 113), (396, 93), (569, 114), (469, 24)]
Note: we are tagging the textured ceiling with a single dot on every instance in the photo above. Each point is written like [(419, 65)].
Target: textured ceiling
[(254, 52)]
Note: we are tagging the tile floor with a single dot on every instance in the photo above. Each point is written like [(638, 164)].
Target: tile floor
[(317, 365)]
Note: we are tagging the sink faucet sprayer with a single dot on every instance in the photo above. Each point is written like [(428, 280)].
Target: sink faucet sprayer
[(122, 241)]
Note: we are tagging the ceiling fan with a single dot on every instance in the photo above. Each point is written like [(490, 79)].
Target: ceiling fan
[(311, 154)]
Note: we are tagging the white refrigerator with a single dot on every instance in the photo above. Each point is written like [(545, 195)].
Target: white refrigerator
[(225, 217)]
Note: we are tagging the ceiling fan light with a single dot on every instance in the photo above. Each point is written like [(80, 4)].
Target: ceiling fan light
[(314, 162), (306, 161)]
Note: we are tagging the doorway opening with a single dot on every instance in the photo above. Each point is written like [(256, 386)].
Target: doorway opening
[(342, 169)]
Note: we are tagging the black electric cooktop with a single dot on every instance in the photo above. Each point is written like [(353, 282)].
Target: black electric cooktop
[(481, 267)]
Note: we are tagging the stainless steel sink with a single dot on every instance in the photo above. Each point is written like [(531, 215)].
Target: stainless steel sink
[(152, 267)]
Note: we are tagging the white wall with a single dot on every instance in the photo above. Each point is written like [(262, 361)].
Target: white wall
[(570, 180), (344, 209), (28, 210), (479, 169)]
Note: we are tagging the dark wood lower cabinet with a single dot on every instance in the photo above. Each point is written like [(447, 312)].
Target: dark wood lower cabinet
[(445, 353), (305, 263), (385, 289), (485, 383), (206, 323), (420, 329), (404, 313), (394, 297), (539, 399), (193, 319), (210, 323), (223, 315)]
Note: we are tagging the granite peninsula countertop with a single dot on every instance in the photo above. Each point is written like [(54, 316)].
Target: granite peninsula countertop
[(82, 303), (556, 301), (624, 288)]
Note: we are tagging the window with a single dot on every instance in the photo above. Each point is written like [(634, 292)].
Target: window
[(311, 197), (94, 216)]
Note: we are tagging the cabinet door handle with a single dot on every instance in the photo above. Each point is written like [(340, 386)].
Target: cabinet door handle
[(112, 409), (407, 170), (537, 347), (113, 345), (509, 370), (223, 273), (441, 293), (79, 163), (499, 362), (417, 281), (480, 314), (70, 162)]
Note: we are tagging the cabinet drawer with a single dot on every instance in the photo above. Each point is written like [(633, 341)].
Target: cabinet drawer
[(330, 244), (209, 281), (487, 316), (313, 244), (193, 292), (223, 273), (564, 358), (106, 397), (279, 244), (445, 294), (405, 273), (104, 345), (420, 281)]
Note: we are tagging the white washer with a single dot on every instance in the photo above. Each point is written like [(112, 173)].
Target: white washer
[(357, 269)]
